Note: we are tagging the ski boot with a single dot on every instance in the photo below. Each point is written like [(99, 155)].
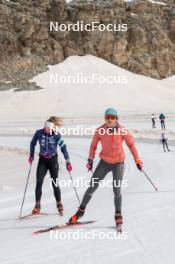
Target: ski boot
[(78, 215), (119, 221), (37, 208), (60, 208)]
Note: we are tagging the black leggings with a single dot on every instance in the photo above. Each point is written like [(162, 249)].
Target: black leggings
[(99, 174), (162, 124), (165, 145), (43, 166)]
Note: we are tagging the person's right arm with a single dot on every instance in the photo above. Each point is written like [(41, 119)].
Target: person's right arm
[(92, 150), (93, 145)]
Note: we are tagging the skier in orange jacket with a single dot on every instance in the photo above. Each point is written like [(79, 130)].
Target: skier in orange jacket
[(111, 136)]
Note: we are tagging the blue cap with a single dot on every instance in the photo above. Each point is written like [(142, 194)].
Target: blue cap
[(111, 111)]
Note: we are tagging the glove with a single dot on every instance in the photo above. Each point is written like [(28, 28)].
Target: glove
[(30, 160), (68, 166), (89, 165), (139, 165)]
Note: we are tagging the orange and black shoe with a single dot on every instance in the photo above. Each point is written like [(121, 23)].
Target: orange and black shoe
[(60, 208), (37, 208), (77, 216), (118, 220)]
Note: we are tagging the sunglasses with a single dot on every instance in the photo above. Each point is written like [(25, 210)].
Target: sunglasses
[(110, 117)]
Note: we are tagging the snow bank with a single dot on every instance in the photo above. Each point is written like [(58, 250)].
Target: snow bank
[(85, 86)]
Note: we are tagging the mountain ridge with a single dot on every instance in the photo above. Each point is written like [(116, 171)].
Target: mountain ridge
[(27, 46)]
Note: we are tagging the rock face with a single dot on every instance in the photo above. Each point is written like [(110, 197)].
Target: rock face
[(27, 46)]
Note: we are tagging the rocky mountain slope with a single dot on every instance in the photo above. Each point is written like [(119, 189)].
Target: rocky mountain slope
[(27, 46)]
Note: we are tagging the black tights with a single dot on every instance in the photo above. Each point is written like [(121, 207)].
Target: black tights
[(43, 166), (99, 174), (165, 145)]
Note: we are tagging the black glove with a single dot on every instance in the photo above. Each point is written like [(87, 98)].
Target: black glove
[(89, 165)]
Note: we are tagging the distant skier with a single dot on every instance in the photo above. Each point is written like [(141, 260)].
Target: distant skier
[(112, 156), (153, 121), (162, 120), (164, 141), (48, 140)]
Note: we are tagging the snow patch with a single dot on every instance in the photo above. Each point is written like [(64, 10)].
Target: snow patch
[(133, 14), (157, 2)]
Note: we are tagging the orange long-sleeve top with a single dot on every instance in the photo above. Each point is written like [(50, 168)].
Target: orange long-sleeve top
[(112, 144)]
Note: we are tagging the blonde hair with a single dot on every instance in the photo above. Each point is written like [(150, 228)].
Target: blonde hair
[(57, 121)]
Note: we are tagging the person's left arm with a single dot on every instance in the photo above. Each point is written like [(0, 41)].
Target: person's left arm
[(128, 138), (64, 151)]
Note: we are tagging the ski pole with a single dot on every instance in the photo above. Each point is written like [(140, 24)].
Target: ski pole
[(70, 175), (156, 189), (25, 190)]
